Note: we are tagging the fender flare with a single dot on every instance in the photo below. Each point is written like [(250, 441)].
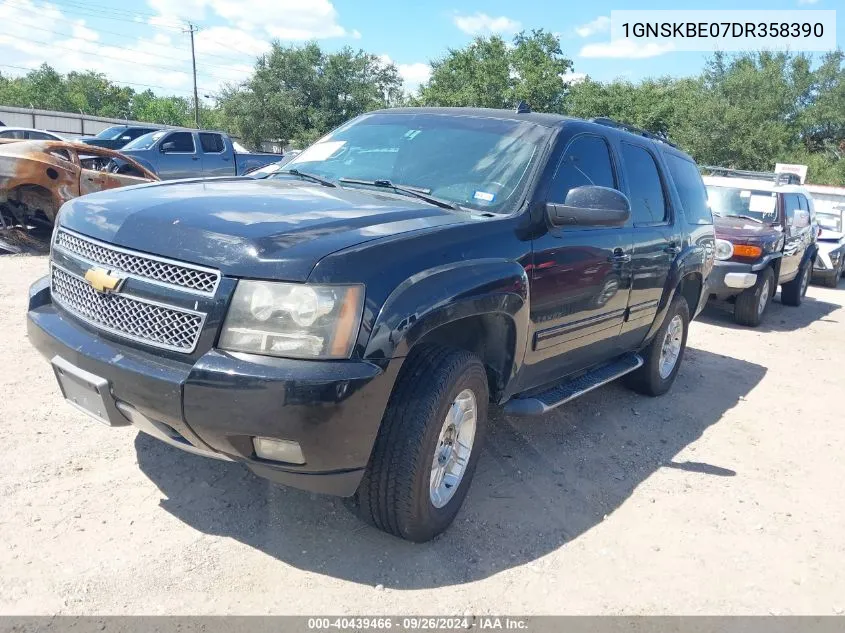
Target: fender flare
[(444, 294), (690, 261)]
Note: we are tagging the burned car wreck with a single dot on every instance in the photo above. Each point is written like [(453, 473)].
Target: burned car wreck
[(38, 177)]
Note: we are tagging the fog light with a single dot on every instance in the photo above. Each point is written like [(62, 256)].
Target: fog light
[(278, 450)]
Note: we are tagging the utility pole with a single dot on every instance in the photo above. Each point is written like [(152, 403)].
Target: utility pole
[(192, 29)]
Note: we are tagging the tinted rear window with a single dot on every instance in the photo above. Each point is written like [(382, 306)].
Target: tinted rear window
[(690, 189)]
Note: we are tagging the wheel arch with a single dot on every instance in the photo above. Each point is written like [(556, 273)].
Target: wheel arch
[(480, 306)]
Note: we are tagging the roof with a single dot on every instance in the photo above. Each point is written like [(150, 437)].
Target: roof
[(754, 183), (539, 118)]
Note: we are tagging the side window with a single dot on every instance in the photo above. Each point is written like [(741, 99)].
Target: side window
[(211, 143), (183, 141), (19, 134), (691, 190), (586, 162), (133, 134), (648, 205), (791, 206), (39, 136)]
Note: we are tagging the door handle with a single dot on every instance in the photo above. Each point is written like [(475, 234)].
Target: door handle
[(672, 249), (619, 257), (195, 157)]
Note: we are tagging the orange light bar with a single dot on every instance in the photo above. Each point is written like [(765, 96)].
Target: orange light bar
[(744, 250)]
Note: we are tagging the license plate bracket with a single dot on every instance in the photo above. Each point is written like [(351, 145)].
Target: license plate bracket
[(87, 392)]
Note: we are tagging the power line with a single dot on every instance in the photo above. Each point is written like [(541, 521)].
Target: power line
[(112, 57), (130, 83), (133, 50), (91, 14), (28, 9)]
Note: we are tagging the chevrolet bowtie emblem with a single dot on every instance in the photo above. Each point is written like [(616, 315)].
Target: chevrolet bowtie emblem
[(102, 281)]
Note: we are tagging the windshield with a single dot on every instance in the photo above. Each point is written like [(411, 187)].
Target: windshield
[(273, 169), (111, 133), (476, 162), (830, 221), (737, 201), (146, 141)]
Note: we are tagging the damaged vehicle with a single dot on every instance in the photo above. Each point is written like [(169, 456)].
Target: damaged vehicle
[(38, 177)]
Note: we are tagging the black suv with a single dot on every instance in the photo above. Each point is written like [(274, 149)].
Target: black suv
[(344, 325)]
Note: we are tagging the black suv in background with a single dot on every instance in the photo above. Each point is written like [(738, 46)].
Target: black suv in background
[(117, 136), (343, 326)]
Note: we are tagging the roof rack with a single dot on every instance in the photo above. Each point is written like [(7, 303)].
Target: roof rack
[(781, 178), (603, 120)]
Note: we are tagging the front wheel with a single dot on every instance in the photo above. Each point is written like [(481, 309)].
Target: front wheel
[(792, 293), (662, 358), (427, 446), (752, 302)]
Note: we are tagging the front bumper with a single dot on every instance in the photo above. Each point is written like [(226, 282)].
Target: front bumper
[(215, 407), (728, 279)]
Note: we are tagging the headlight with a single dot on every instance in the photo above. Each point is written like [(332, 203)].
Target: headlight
[(724, 249), (293, 320)]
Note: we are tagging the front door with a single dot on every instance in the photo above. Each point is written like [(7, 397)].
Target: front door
[(654, 244), (579, 278), (181, 160)]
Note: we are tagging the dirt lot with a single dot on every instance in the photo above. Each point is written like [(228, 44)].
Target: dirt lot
[(725, 496)]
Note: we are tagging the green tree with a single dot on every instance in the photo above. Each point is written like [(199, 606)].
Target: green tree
[(491, 73), (299, 93)]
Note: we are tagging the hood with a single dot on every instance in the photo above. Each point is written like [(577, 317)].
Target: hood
[(739, 229), (265, 229)]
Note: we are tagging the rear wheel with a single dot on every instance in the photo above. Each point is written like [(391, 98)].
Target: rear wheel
[(751, 304), (428, 444), (792, 293), (832, 280), (662, 358)]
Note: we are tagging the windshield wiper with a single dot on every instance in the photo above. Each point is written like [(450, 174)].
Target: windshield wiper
[(303, 174), (414, 192), (746, 217)]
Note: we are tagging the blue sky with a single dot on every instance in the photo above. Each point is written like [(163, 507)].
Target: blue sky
[(141, 43)]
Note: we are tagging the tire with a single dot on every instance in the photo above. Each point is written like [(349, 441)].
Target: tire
[(648, 379), (395, 494), (832, 281), (792, 293), (751, 304)]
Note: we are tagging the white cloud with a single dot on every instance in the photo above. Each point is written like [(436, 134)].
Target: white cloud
[(807, 1), (483, 24), (600, 25), (412, 74), (627, 49), (573, 78), (222, 40), (284, 19)]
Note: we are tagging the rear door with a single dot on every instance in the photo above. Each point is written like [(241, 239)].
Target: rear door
[(216, 161), (655, 241), (580, 275)]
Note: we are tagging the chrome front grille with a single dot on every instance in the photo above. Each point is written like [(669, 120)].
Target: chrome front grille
[(156, 269), (130, 317)]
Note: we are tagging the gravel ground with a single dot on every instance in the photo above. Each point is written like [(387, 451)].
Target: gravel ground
[(725, 496)]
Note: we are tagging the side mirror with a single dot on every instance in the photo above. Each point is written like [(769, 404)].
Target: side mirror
[(168, 147), (801, 219), (590, 206)]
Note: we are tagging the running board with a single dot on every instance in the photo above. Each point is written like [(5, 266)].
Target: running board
[(540, 403)]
